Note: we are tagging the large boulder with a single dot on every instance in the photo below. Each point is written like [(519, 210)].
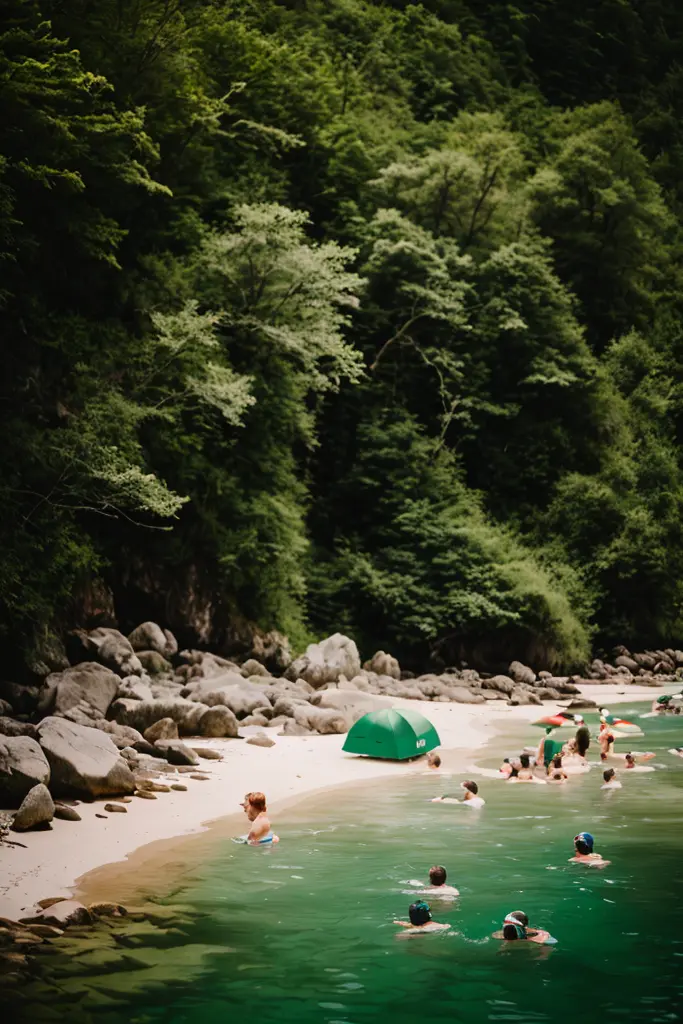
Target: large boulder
[(524, 696), (134, 688), (326, 661), (272, 650), (110, 648), (218, 721), (23, 765), (501, 683), (176, 752), (85, 686), (154, 663), (384, 665), (151, 637), (351, 703), (251, 667), (462, 695), (140, 714), (164, 729), (61, 914), (37, 810), (522, 673), (83, 762), (240, 696), (11, 727), (624, 661)]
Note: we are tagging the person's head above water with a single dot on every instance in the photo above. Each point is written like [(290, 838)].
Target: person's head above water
[(433, 760), (437, 875), (584, 843), (557, 761), (515, 925), (609, 774), (524, 760), (471, 787), (257, 802), (419, 913), (630, 759)]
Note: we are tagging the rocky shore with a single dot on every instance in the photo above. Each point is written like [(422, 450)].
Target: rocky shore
[(117, 720)]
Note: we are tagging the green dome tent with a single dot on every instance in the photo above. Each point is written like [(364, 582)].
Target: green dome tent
[(392, 733)]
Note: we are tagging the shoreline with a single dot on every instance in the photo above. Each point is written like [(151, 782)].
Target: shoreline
[(57, 862)]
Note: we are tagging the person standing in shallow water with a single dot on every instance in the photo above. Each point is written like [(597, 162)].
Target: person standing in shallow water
[(583, 739), (255, 810)]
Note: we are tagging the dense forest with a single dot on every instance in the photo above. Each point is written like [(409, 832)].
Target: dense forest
[(343, 315)]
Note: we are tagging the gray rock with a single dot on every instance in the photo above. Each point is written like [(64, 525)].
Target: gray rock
[(154, 663), (23, 765), (501, 683), (292, 728), (10, 727), (256, 719), (176, 752), (625, 662), (231, 691), (208, 753), (383, 664), (83, 761), (134, 688), (519, 696), (326, 661), (272, 649), (547, 693), (141, 714), (36, 811), (251, 667), (115, 809), (461, 695), (150, 637), (88, 686), (261, 740), (6, 710), (522, 673), (164, 729), (66, 813), (353, 704), (288, 705), (24, 699), (218, 721), (61, 915)]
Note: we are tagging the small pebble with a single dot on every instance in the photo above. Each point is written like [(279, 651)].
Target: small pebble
[(179, 788), (144, 794), (115, 809), (100, 815), (200, 778)]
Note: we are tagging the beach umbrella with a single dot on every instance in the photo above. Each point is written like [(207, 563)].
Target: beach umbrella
[(555, 722), (392, 733)]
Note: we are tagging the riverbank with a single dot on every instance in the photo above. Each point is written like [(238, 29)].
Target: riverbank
[(53, 861)]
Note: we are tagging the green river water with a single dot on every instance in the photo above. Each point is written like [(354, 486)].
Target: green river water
[(303, 932)]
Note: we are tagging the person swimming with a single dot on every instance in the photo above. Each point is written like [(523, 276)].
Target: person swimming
[(584, 854), (556, 772), (678, 751), (255, 809), (516, 927), (524, 773), (610, 780), (605, 740), (506, 768), (437, 884), (433, 760), (471, 798), (420, 915)]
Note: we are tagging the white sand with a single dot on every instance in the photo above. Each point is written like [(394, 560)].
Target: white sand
[(54, 860)]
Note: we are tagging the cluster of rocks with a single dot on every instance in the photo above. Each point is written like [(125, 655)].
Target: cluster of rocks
[(96, 727), (650, 668)]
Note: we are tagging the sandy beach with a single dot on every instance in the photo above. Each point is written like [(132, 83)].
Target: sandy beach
[(53, 861)]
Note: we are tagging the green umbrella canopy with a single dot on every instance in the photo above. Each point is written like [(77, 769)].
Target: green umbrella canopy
[(393, 733)]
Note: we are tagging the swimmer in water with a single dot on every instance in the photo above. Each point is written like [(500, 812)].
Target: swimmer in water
[(433, 760), (516, 927), (506, 768), (255, 810), (524, 773), (556, 773), (583, 852), (437, 884), (678, 751), (610, 780), (420, 920), (471, 798), (605, 740)]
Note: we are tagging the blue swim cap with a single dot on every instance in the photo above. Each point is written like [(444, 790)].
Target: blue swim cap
[(585, 837)]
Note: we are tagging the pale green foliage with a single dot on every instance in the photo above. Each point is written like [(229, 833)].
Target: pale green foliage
[(190, 337), (466, 188), (286, 293)]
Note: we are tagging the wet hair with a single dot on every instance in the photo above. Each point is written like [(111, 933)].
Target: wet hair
[(512, 931), (583, 739), (524, 760), (434, 759), (437, 875), (257, 801), (557, 761), (472, 787), (419, 913), (582, 846), (609, 774)]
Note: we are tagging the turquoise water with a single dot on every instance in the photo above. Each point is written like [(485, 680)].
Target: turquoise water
[(304, 932)]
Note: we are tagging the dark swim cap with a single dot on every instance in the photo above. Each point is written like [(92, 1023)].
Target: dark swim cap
[(419, 913), (586, 839)]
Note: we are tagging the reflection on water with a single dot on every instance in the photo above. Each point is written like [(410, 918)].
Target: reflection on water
[(304, 932)]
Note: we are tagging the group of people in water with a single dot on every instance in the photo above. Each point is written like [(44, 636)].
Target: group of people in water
[(553, 762)]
